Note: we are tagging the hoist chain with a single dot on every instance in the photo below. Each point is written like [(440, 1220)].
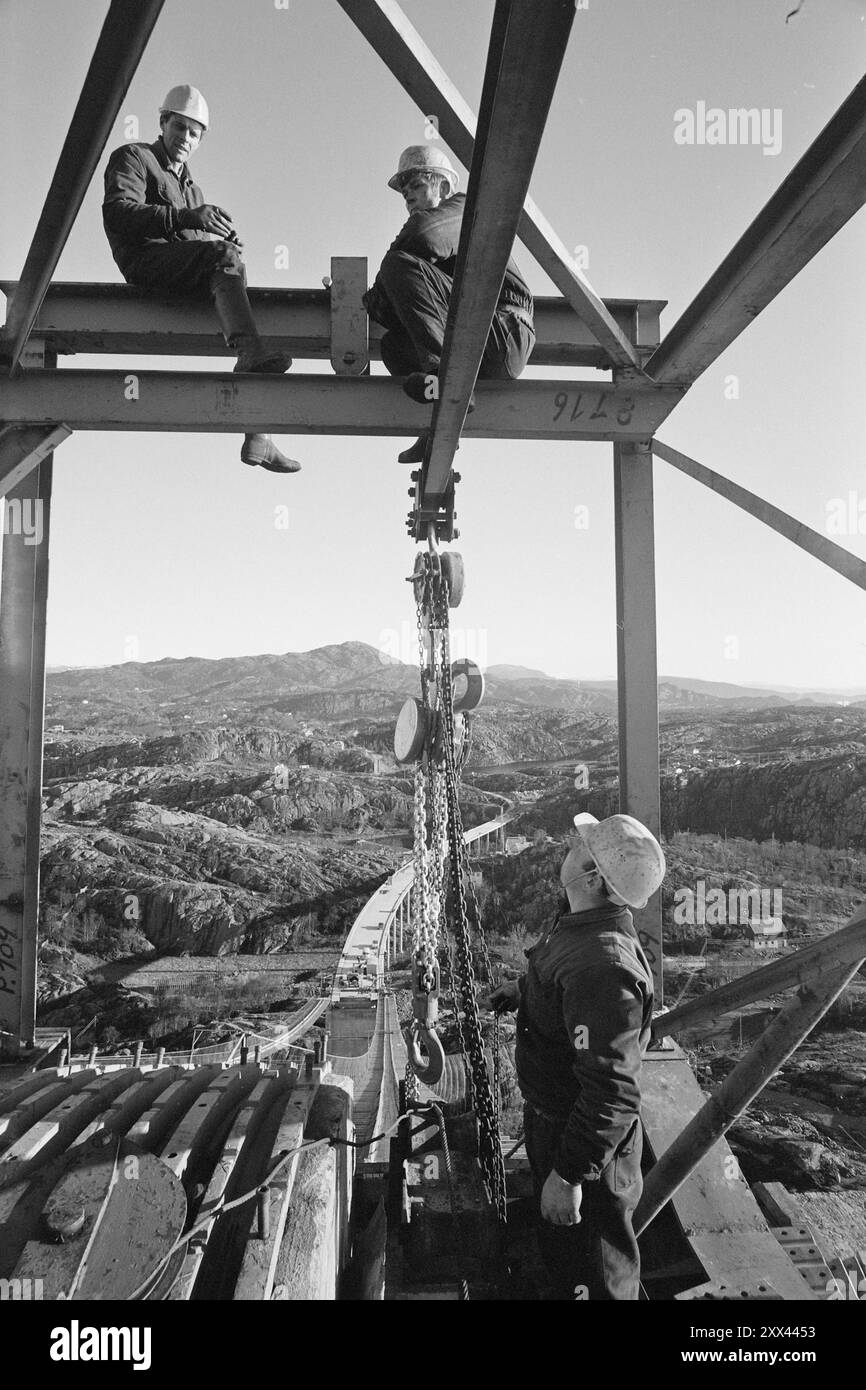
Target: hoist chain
[(457, 1002), (490, 1150), (412, 1089), (438, 831)]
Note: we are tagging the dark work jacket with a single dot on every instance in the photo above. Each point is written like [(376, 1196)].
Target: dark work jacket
[(435, 237), (145, 202), (583, 1024)]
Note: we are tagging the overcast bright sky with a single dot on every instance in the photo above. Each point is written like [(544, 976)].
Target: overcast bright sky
[(166, 545)]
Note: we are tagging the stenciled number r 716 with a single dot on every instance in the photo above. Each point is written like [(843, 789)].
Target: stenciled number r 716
[(582, 406)]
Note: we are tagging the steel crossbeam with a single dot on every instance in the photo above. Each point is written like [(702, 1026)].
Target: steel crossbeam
[(828, 552), (122, 41), (527, 45), (214, 402), (823, 190)]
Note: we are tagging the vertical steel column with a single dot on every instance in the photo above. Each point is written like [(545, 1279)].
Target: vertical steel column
[(23, 599), (637, 671)]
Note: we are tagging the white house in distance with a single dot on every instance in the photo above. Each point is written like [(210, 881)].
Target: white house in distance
[(516, 844), (768, 933)]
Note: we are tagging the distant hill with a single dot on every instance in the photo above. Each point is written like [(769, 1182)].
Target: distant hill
[(339, 681), (514, 673)]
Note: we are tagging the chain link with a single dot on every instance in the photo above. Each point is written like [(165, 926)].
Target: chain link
[(489, 1146), (438, 830)]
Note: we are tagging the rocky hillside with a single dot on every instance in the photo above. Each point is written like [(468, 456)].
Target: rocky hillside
[(216, 840), (818, 802)]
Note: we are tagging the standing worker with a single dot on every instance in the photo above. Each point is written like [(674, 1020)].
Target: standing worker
[(164, 236), (584, 1014), (411, 294)]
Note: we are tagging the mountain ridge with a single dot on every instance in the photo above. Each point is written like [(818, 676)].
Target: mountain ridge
[(337, 681)]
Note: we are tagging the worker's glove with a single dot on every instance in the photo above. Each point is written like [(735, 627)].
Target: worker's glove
[(560, 1200), (210, 218), (505, 998)]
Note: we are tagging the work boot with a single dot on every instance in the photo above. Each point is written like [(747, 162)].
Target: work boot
[(415, 453), (260, 451), (420, 387), (232, 306), (253, 356)]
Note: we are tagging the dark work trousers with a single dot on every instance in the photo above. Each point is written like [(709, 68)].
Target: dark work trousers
[(182, 267), (597, 1259), (419, 294)]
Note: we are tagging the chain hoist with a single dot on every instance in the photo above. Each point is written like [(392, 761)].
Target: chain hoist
[(431, 732)]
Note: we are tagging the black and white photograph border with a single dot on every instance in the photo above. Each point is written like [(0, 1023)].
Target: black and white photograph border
[(378, 920)]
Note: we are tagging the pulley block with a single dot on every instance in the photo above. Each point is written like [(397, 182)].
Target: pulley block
[(431, 569), (420, 731), (413, 730)]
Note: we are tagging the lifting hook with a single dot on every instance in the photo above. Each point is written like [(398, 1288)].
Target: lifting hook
[(426, 1053)]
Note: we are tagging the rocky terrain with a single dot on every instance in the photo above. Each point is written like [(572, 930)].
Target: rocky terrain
[(250, 806)]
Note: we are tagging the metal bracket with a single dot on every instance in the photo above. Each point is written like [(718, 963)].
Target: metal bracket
[(441, 516), (350, 348)]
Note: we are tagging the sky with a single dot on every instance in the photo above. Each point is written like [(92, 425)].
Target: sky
[(165, 545)]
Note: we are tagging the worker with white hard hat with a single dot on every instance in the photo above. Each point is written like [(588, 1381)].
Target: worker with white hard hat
[(412, 291), (164, 236), (584, 1016)]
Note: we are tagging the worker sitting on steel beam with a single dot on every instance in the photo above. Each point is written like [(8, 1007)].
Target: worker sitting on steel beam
[(584, 1013), (164, 236), (411, 294)]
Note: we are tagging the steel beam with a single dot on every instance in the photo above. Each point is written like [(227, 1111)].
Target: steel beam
[(23, 602), (823, 190), (23, 449), (715, 1209), (833, 952), (527, 45), (208, 402), (401, 47), (637, 668), (108, 318), (737, 1091), (823, 549), (122, 41)]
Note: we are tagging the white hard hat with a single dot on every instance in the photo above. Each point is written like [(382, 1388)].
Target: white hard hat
[(186, 101), (424, 159), (629, 857)]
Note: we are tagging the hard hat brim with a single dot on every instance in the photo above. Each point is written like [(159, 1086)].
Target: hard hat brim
[(396, 181)]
